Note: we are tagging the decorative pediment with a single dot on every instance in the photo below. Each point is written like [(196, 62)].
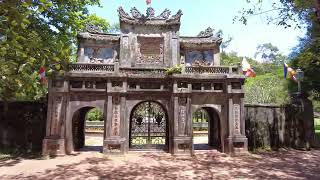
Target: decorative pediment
[(137, 16), (207, 33), (93, 29)]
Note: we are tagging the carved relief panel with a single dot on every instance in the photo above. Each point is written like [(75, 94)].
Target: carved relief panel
[(99, 55), (182, 116), (56, 114), (116, 116), (150, 50), (199, 58), (236, 118)]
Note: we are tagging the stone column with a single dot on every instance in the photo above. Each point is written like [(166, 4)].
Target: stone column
[(54, 142), (124, 57), (236, 141), (182, 130), (216, 56), (175, 49), (115, 122), (80, 53)]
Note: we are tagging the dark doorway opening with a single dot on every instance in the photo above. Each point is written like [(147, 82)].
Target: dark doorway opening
[(148, 127), (88, 129), (206, 129)]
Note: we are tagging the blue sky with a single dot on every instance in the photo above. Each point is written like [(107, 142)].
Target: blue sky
[(218, 14)]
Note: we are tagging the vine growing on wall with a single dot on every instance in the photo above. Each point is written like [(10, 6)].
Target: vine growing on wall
[(174, 70)]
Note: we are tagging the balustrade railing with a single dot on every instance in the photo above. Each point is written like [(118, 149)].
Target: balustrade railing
[(212, 69), (91, 67), (142, 70)]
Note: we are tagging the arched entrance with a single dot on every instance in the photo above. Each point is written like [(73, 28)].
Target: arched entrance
[(87, 130), (148, 127), (206, 129)]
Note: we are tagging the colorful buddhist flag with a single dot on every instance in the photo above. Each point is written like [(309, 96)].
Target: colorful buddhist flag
[(148, 2), (42, 75), (292, 73), (285, 70), (246, 69)]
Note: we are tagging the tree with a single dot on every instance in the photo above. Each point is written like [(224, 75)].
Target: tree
[(37, 33), (295, 13), (225, 41), (285, 13), (270, 54), (307, 57), (114, 28), (267, 88)]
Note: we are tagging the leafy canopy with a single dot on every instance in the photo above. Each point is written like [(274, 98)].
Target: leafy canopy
[(35, 33)]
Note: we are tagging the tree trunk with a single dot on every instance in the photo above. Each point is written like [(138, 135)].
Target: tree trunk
[(317, 4)]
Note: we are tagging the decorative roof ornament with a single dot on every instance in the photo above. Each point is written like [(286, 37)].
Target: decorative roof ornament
[(150, 13), (93, 29), (136, 13), (137, 16), (176, 17), (165, 14), (207, 33), (123, 14)]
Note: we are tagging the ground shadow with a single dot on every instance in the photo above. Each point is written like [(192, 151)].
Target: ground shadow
[(207, 165)]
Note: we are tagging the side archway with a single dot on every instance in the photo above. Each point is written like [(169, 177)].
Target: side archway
[(78, 130), (210, 136)]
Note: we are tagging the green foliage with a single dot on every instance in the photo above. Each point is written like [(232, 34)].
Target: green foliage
[(34, 34), (174, 70), (270, 54), (94, 115), (225, 40), (232, 59), (286, 13), (93, 19), (307, 57), (114, 28), (267, 88)]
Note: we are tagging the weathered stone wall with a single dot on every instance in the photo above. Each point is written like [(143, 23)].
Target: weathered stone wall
[(23, 126), (266, 126), (272, 126)]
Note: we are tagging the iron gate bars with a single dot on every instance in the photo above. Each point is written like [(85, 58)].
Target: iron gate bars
[(148, 126)]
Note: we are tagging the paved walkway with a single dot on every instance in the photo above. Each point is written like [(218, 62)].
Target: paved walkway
[(204, 165)]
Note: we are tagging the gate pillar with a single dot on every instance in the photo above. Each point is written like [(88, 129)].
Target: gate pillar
[(182, 126), (114, 142), (236, 142), (54, 142)]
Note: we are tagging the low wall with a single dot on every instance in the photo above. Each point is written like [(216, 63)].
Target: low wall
[(23, 126), (274, 126)]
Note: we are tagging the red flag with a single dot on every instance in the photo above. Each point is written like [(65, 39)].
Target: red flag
[(148, 2)]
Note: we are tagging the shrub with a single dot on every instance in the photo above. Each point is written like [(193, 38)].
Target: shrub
[(94, 115), (267, 88)]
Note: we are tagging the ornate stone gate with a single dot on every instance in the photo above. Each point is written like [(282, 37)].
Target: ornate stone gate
[(119, 72)]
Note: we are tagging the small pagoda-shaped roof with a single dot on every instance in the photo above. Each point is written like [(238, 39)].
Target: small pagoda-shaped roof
[(149, 19), (205, 38)]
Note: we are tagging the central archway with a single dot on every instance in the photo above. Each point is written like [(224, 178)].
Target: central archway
[(148, 127)]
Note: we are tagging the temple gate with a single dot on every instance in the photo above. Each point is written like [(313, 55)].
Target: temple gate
[(145, 105)]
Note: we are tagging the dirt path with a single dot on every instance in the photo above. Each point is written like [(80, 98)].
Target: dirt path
[(204, 165)]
